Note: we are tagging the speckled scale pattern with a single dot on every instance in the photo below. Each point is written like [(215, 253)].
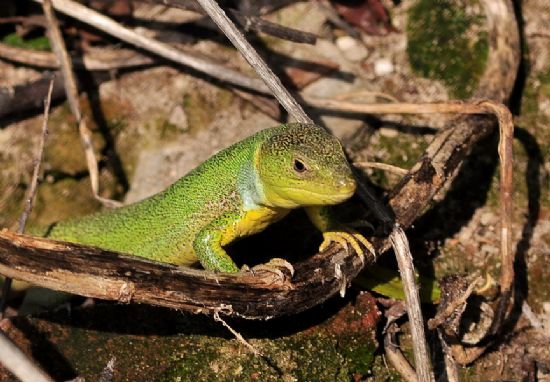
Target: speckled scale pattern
[(220, 200), (163, 226)]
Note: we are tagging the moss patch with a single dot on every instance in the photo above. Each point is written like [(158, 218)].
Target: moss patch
[(63, 199), (35, 43), (402, 152), (296, 358), (201, 107), (446, 42), (156, 344)]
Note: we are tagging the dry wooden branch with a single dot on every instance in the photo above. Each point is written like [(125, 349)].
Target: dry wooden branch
[(444, 155), (436, 168), (112, 276), (31, 20), (71, 89), (441, 160), (326, 7), (451, 368), (115, 29)]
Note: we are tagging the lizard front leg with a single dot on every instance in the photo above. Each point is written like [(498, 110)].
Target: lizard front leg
[(333, 231), (209, 250)]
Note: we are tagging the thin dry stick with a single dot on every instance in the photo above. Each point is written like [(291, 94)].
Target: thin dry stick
[(237, 335), (117, 58), (326, 7), (249, 22), (412, 298), (32, 20), (398, 361), (37, 162), (271, 80), (450, 107), (505, 146), (401, 249), (363, 94), (6, 287), (109, 26), (65, 63), (451, 368), (382, 166), (18, 363)]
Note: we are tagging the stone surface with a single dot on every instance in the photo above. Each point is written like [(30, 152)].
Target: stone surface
[(352, 49), (383, 66)]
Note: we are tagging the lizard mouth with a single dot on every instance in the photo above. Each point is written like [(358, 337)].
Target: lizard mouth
[(315, 197)]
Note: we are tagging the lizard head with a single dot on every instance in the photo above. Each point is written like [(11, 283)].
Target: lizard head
[(303, 165)]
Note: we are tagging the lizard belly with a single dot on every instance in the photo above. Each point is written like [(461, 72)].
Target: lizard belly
[(253, 221)]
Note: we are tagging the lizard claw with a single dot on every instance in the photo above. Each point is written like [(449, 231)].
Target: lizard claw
[(344, 237), (279, 267)]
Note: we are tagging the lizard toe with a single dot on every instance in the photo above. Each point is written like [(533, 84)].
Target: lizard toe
[(347, 237)]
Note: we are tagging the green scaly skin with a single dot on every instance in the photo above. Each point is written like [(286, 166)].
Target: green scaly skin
[(235, 193)]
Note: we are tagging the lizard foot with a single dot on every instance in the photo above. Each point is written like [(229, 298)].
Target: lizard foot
[(280, 267), (344, 237)]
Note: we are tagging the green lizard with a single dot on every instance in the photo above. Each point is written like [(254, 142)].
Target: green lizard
[(235, 193)]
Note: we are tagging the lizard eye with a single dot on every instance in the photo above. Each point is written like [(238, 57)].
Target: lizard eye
[(299, 166)]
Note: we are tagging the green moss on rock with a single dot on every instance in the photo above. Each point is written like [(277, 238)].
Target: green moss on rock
[(201, 108), (446, 42), (156, 344), (35, 43), (63, 199), (63, 152), (296, 358)]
